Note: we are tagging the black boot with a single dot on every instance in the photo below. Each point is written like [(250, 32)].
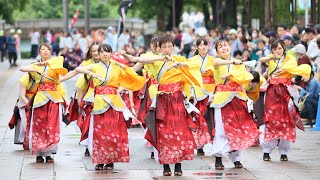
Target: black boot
[(238, 164)]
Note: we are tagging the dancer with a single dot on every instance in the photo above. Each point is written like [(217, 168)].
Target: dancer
[(200, 96), (230, 122), (279, 125), (77, 109), (168, 119), (19, 120), (47, 106), (108, 137)]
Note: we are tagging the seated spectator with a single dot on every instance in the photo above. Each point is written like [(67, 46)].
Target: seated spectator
[(312, 89)]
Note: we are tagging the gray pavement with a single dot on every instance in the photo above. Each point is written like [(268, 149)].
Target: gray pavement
[(304, 156)]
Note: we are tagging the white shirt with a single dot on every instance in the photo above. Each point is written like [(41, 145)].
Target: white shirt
[(35, 38)]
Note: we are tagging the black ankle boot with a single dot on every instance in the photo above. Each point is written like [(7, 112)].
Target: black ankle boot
[(218, 164)]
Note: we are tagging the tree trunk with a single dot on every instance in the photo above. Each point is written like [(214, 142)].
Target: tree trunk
[(206, 13), (178, 10), (230, 13), (267, 20), (161, 22)]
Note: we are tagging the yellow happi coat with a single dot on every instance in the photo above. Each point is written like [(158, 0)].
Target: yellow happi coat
[(115, 76), (52, 72), (290, 67), (239, 75)]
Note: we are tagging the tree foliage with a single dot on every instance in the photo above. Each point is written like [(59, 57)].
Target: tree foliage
[(7, 7)]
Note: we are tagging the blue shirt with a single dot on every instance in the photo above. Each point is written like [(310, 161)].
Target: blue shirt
[(313, 89)]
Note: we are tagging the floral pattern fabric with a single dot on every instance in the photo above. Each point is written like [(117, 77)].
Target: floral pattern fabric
[(238, 124), (201, 134), (110, 138), (279, 123), (45, 126)]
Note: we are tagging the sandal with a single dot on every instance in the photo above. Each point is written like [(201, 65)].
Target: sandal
[(99, 167), (177, 169), (86, 153), (166, 170), (238, 164), (152, 155), (218, 165), (39, 159), (200, 152), (266, 157), (283, 158), (49, 159), (108, 167)]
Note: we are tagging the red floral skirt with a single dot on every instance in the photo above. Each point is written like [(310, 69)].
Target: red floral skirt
[(45, 126), (277, 118), (174, 139), (201, 135), (238, 124), (110, 138)]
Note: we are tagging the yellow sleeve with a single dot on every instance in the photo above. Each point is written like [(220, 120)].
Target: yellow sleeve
[(24, 80), (82, 83), (191, 71), (56, 64), (130, 79), (240, 75), (292, 67)]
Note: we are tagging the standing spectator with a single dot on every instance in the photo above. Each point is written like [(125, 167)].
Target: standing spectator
[(17, 37), (255, 36), (2, 45), (11, 47), (35, 39)]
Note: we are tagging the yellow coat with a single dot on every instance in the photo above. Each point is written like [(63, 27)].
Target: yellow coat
[(239, 75), (52, 72), (148, 68), (115, 76)]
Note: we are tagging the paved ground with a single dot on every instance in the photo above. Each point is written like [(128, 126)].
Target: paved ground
[(304, 156)]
